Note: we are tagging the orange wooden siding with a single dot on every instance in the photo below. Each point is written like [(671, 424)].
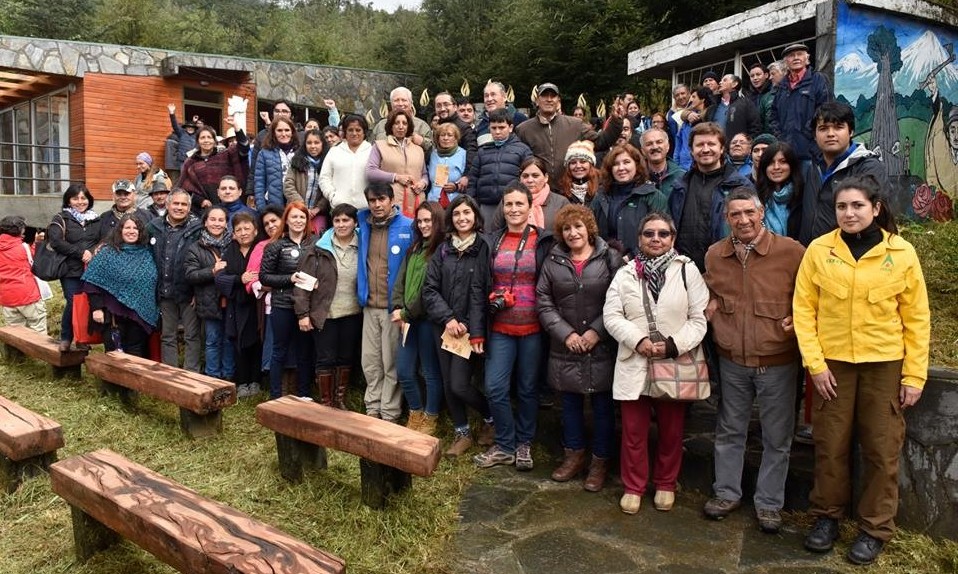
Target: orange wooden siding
[(124, 115)]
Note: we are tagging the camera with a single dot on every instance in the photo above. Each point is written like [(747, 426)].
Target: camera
[(501, 299)]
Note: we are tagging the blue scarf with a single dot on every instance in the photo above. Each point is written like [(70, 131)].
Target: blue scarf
[(129, 275), (82, 218), (777, 212)]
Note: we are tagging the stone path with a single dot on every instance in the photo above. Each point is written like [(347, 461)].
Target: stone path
[(524, 523)]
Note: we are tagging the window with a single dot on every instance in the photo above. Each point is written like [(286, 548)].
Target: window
[(35, 146)]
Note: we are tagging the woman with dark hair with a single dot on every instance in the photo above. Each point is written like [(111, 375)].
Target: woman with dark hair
[(570, 294), (627, 196), (74, 232), (301, 182), (269, 221), (279, 272), (455, 296), (240, 320), (331, 311), (670, 284), (20, 296), (121, 282), (417, 346), (203, 170), (515, 341), (204, 261), (399, 162), (863, 327), (343, 175), (272, 163), (545, 203), (780, 186), (331, 136), (580, 180)]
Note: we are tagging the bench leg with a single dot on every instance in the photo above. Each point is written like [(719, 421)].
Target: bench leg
[(66, 372), (13, 472), (127, 396), (201, 426), (379, 481), (296, 455), (12, 354), (90, 535)]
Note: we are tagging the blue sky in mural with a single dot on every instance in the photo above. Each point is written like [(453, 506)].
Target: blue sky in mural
[(922, 46)]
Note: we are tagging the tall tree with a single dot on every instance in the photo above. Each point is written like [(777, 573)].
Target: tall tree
[(883, 49)]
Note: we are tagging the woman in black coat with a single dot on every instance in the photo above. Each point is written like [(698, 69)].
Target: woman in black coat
[(241, 318), (204, 261), (570, 295), (74, 232), (455, 295)]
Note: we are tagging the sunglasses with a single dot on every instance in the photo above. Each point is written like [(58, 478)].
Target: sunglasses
[(650, 233)]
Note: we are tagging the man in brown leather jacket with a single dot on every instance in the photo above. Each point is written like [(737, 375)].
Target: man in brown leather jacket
[(751, 279)]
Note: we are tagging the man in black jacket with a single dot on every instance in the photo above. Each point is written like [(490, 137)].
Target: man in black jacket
[(447, 112), (734, 114)]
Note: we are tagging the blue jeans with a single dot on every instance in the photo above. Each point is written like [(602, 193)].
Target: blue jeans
[(71, 286), (288, 338), (420, 346), (502, 352), (603, 419), (220, 361)]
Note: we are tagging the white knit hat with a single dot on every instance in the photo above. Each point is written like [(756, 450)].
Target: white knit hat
[(583, 149)]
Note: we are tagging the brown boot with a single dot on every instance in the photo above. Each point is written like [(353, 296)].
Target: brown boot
[(414, 422), (324, 387), (429, 423), (572, 464), (598, 469), (487, 434), (289, 382), (460, 446), (342, 383)]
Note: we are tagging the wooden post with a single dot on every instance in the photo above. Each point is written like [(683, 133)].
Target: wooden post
[(201, 426), (127, 397), (66, 372), (89, 534), (11, 354), (379, 481), (296, 455), (14, 472)]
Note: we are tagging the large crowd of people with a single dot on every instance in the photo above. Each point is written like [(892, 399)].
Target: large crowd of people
[(485, 262)]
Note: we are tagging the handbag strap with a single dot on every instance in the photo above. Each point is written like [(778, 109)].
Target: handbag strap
[(649, 315)]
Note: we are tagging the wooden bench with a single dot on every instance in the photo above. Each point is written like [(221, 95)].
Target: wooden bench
[(28, 443), (388, 453), (112, 497), (18, 342), (200, 398)]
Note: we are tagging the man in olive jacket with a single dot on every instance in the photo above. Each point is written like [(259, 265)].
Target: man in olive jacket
[(751, 279)]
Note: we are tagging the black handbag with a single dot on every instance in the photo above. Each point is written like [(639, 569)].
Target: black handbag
[(48, 263)]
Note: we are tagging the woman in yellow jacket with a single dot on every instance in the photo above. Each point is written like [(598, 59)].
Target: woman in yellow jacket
[(862, 322)]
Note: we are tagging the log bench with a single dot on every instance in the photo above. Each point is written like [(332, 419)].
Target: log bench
[(28, 443), (388, 453), (200, 398), (111, 497), (19, 342)]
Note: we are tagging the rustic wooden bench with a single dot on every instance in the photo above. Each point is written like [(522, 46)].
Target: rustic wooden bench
[(28, 443), (200, 398), (19, 342), (111, 497), (388, 453)]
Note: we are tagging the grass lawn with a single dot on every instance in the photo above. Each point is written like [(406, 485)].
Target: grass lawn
[(239, 468)]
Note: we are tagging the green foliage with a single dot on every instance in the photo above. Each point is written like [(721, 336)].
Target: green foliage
[(883, 43), (937, 247)]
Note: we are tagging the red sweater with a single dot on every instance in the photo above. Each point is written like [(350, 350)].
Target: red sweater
[(17, 284)]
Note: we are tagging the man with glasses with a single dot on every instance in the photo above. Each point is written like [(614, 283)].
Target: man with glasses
[(448, 113)]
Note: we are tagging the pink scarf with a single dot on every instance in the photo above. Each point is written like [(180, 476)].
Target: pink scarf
[(536, 215)]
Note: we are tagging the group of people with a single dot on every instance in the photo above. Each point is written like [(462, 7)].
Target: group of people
[(418, 253)]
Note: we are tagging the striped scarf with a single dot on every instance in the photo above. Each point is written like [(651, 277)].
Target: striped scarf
[(652, 269)]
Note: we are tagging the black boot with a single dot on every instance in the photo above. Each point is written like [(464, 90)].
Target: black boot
[(822, 536)]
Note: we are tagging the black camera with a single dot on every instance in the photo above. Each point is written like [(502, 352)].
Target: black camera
[(501, 299)]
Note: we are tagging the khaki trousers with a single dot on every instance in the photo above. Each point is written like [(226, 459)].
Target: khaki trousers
[(380, 342), (867, 408)]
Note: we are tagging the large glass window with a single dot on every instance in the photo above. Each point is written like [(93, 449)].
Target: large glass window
[(35, 146)]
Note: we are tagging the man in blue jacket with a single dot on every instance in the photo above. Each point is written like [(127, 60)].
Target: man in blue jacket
[(384, 237), (797, 97)]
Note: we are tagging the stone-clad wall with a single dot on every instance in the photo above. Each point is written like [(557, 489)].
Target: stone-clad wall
[(304, 84)]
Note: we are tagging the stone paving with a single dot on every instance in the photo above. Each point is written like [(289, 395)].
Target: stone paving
[(524, 523)]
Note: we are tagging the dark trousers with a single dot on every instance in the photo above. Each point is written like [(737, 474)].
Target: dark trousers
[(286, 336), (339, 341)]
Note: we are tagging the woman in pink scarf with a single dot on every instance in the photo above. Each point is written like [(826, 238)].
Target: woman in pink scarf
[(545, 203)]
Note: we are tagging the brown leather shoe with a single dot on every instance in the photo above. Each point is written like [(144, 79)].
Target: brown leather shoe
[(341, 384), (598, 469), (324, 387), (414, 422), (429, 424), (572, 464), (459, 446), (487, 434)]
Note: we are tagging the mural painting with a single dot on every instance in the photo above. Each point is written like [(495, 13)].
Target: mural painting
[(900, 77)]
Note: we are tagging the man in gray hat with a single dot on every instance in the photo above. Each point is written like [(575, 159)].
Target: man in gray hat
[(549, 133), (798, 95)]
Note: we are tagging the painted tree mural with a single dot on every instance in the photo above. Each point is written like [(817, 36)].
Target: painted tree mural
[(884, 51)]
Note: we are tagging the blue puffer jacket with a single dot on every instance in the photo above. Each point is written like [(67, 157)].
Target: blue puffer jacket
[(793, 109), (400, 238), (495, 168), (184, 143), (268, 179)]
